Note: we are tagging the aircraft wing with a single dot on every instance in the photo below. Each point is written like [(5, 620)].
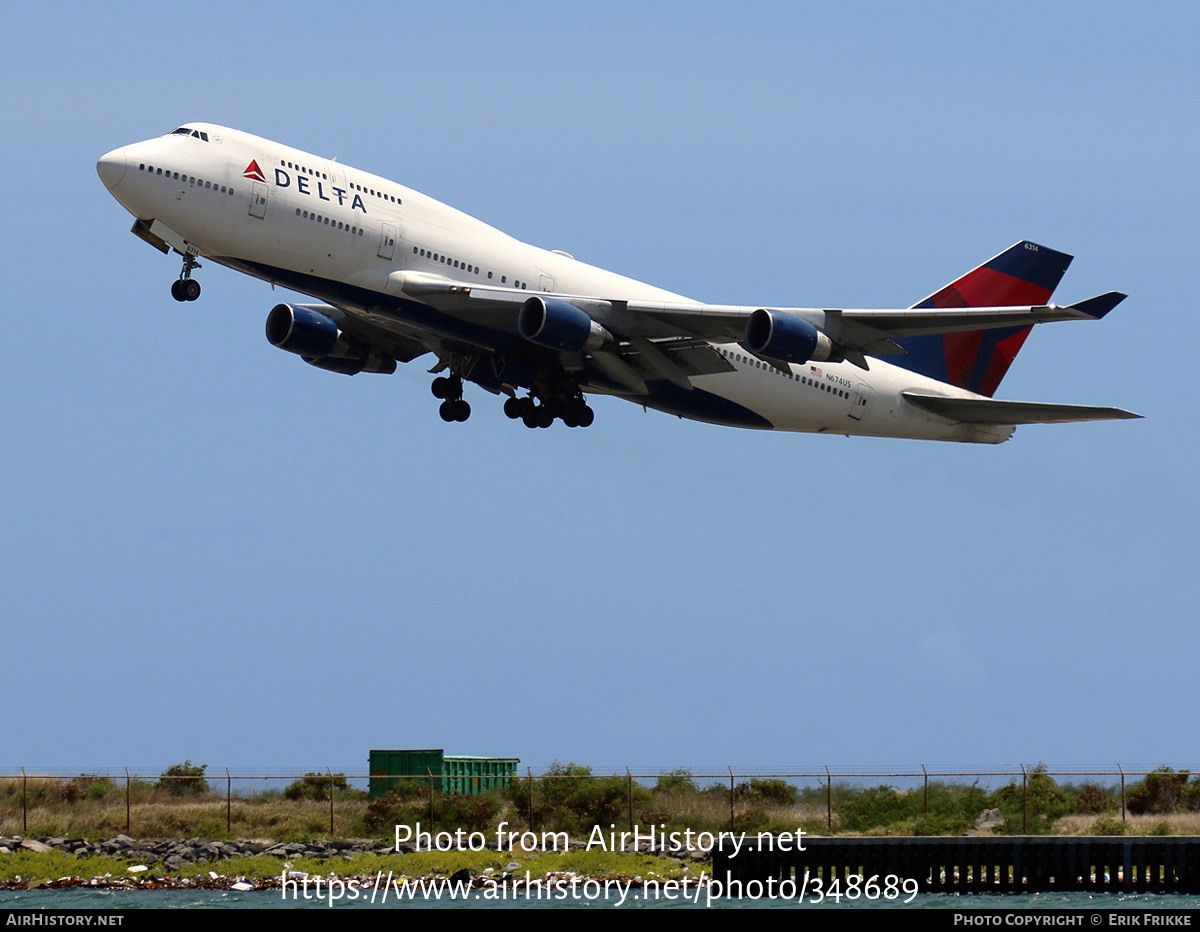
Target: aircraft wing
[(857, 331), (871, 330)]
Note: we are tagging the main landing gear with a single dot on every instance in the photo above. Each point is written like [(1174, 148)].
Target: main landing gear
[(552, 399), (186, 288), (450, 389), (574, 412)]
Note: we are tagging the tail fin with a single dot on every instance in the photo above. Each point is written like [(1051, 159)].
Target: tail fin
[(1023, 274)]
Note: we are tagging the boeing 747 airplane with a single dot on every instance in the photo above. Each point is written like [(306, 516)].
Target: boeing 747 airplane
[(399, 275)]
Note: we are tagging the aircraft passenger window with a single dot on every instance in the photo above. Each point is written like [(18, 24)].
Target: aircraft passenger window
[(489, 274), (160, 171), (503, 279), (297, 211)]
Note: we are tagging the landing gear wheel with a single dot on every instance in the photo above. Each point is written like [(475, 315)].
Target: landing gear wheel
[(512, 408), (189, 288), (586, 417), (447, 387), (454, 410), (177, 290)]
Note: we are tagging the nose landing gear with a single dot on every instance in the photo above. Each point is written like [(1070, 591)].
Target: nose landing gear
[(186, 288)]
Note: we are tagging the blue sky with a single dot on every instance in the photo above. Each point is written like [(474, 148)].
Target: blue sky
[(212, 551)]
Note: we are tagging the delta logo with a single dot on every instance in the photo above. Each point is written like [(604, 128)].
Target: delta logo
[(253, 171)]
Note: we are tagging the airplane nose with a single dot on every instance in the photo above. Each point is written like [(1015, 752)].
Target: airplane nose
[(111, 168)]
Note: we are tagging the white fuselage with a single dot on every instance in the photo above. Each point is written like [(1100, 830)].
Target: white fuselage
[(341, 235)]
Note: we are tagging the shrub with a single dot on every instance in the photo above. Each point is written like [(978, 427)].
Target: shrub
[(1041, 801), (86, 786), (316, 786), (775, 792), (676, 781), (1164, 790), (873, 808), (1108, 826), (450, 812), (186, 779), (571, 799), (1093, 800)]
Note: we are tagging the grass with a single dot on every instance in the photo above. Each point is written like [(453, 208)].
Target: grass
[(57, 864), (167, 817)]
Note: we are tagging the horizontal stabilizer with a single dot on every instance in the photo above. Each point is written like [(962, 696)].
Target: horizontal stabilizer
[(987, 411), (1100, 305)]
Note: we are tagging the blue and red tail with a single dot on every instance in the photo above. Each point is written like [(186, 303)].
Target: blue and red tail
[(1024, 274)]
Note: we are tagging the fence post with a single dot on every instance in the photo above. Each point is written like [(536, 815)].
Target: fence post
[(228, 802), (732, 825), (1122, 769), (1024, 801), (329, 770), (926, 772), (24, 801), (629, 779), (828, 799), (431, 822), (127, 788), (530, 771)]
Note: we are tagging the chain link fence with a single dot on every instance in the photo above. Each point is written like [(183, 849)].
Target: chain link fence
[(187, 801)]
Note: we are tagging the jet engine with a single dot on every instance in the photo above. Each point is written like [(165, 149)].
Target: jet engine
[(317, 339), (786, 337), (560, 325)]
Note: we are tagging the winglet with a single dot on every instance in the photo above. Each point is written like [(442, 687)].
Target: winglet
[(1100, 305)]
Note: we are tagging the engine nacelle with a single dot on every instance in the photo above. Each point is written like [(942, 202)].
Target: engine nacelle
[(786, 337), (316, 338), (302, 331), (559, 325)]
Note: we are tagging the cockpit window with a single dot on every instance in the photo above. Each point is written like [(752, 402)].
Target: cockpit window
[(186, 131)]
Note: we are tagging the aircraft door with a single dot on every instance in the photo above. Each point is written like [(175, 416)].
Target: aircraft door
[(258, 199), (387, 241), (860, 401)]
